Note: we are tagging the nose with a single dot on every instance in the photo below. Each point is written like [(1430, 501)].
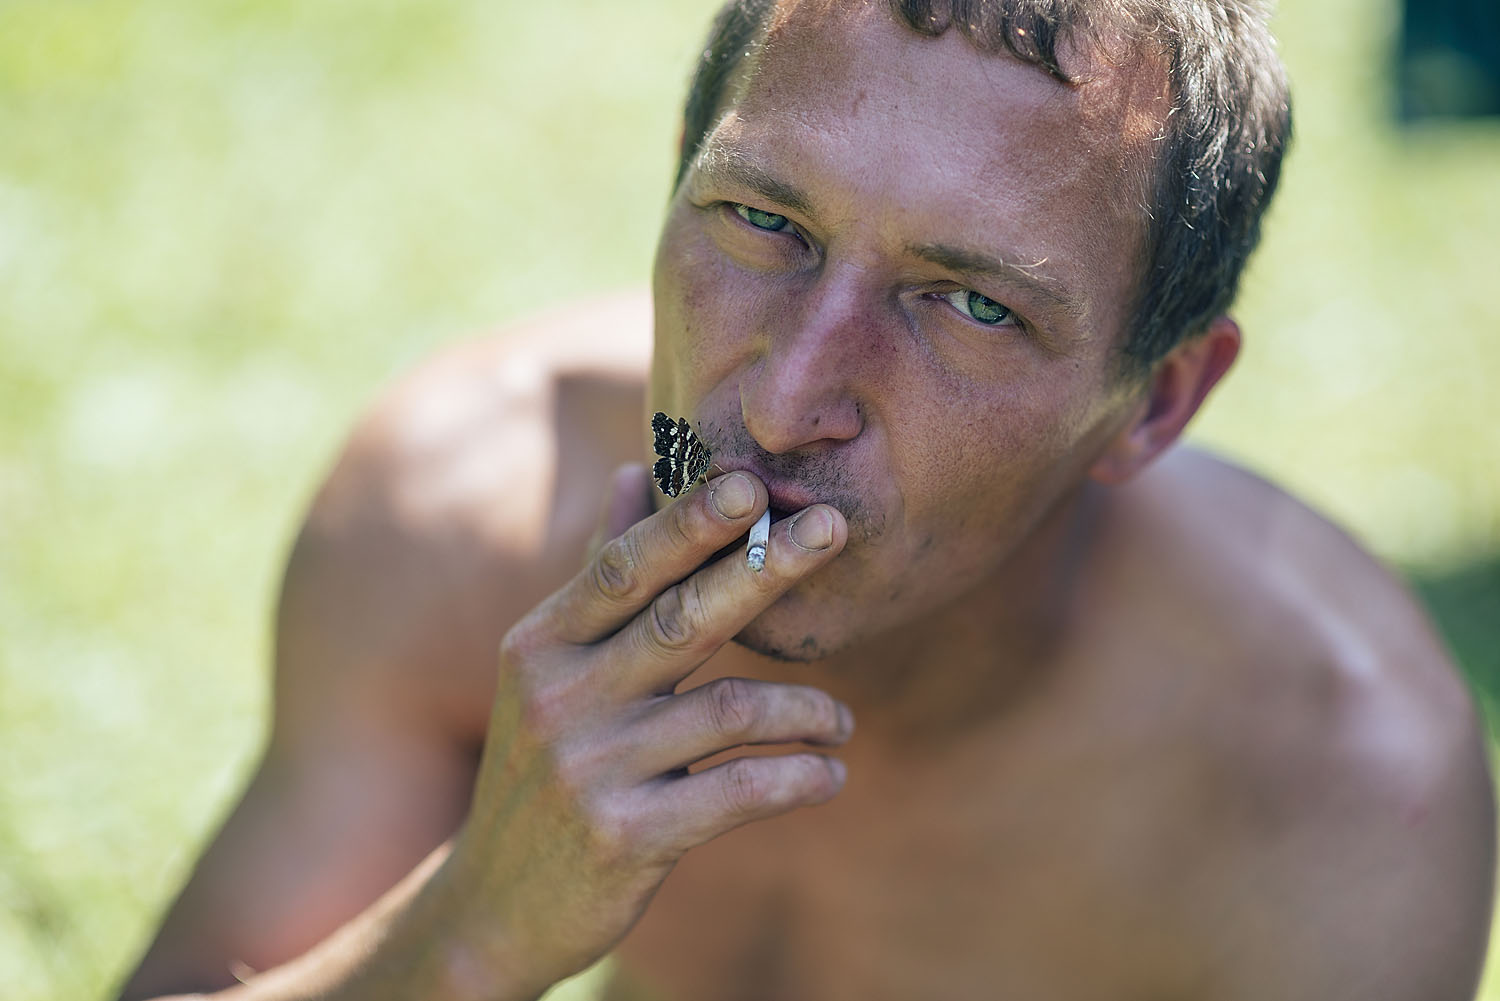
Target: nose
[(805, 387)]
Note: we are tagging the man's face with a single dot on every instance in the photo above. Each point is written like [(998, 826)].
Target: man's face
[(892, 283)]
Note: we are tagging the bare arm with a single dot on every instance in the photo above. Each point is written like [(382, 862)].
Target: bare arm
[(366, 772), (417, 554), (583, 800)]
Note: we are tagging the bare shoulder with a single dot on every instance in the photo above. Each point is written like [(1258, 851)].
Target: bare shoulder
[(463, 496), (1348, 847)]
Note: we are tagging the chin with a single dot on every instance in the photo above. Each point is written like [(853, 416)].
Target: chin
[(803, 651), (792, 641), (818, 619)]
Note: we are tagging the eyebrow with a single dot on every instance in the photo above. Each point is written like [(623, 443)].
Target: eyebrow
[(720, 161), (980, 265)]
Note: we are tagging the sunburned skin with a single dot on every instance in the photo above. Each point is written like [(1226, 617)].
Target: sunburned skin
[(1131, 722), (1191, 803)]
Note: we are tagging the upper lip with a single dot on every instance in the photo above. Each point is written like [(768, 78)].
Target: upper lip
[(784, 494)]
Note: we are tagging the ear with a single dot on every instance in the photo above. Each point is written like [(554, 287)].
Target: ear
[(1175, 390)]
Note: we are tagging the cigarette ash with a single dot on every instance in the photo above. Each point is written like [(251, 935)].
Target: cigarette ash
[(760, 534)]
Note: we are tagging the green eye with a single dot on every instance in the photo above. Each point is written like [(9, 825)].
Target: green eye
[(980, 308), (762, 220)]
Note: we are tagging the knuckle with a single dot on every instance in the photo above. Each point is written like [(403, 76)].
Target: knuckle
[(682, 529), (521, 643), (570, 774), (612, 833), (731, 707), (673, 619), (616, 570), (745, 786)]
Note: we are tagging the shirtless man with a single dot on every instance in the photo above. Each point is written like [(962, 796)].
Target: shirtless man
[(1131, 725)]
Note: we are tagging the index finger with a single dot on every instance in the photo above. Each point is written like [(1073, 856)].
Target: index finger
[(629, 571)]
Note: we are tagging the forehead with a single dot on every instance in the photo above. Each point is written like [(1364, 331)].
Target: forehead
[(933, 139)]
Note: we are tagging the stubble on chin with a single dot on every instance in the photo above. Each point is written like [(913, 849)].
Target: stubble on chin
[(804, 651), (802, 640)]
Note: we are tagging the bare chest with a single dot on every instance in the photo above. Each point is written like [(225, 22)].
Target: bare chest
[(1043, 873)]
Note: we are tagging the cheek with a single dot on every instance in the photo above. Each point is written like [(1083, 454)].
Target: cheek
[(988, 463), (705, 316)]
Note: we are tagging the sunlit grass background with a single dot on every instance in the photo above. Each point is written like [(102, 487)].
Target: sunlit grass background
[(225, 223)]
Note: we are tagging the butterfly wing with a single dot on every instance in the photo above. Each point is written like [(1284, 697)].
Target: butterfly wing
[(684, 456)]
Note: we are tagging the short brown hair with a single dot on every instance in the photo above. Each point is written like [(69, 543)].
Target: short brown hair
[(1220, 156)]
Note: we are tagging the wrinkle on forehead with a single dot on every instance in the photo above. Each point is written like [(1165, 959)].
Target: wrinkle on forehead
[(1122, 94)]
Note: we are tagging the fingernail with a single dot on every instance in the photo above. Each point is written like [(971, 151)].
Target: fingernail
[(813, 529), (846, 721), (839, 769), (733, 495)]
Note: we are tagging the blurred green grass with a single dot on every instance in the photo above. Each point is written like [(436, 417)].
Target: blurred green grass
[(224, 224)]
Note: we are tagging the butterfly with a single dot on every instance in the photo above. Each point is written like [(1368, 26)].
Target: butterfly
[(684, 456)]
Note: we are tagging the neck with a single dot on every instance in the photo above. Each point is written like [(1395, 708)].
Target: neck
[(971, 660)]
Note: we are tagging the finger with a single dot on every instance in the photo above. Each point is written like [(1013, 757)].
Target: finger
[(635, 566), (627, 499), (687, 622), (700, 807), (731, 712)]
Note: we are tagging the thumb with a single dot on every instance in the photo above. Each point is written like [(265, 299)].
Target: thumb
[(627, 499)]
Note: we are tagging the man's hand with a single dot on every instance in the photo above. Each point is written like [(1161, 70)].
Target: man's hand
[(584, 801)]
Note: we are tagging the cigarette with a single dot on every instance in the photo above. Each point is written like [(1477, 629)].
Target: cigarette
[(755, 556)]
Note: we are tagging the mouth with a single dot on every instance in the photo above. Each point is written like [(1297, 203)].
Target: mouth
[(781, 513), (786, 499)]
